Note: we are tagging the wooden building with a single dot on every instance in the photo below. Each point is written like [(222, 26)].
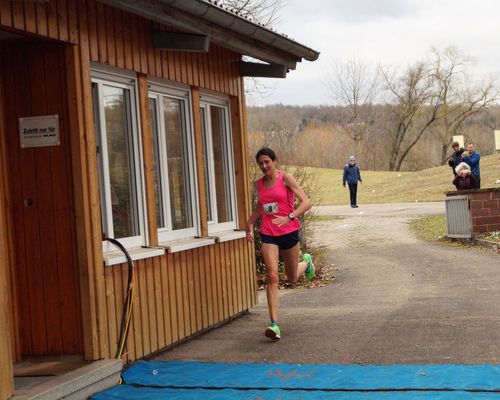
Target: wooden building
[(124, 119)]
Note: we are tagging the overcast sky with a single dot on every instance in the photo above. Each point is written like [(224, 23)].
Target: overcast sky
[(387, 32)]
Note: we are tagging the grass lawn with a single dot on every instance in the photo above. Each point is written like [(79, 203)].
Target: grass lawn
[(397, 187), (430, 228)]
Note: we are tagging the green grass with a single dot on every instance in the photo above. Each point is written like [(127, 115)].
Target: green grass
[(494, 237), (397, 187), (430, 228), (323, 218)]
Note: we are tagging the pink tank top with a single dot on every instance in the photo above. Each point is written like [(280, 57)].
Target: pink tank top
[(278, 200)]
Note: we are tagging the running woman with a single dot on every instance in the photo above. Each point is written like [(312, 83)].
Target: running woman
[(279, 229)]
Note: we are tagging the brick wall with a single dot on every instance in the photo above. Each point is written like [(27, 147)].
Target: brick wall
[(485, 210)]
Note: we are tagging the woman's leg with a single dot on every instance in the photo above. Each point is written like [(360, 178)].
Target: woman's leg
[(270, 254), (293, 267)]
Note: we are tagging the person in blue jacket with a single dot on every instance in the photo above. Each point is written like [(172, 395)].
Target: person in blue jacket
[(352, 176), (472, 158)]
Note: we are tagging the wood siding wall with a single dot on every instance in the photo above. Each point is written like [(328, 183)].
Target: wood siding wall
[(122, 40), (177, 295), (180, 294)]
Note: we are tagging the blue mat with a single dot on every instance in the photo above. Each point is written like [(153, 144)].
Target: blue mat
[(126, 392), (180, 374)]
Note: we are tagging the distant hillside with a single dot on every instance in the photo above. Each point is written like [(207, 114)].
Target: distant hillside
[(311, 136), (394, 187)]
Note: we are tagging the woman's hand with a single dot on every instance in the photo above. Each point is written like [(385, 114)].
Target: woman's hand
[(250, 235), (281, 220)]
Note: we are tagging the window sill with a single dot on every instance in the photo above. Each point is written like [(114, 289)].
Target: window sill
[(227, 236), (136, 253), (187, 244)]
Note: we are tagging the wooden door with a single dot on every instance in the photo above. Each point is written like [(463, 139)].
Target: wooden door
[(41, 203)]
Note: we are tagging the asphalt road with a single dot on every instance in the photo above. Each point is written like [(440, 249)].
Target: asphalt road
[(395, 300)]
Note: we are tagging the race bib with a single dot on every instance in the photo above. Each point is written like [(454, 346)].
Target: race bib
[(271, 208)]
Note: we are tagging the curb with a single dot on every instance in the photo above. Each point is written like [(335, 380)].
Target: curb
[(486, 243)]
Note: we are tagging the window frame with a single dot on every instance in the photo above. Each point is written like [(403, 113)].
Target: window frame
[(207, 100), (103, 77), (157, 91)]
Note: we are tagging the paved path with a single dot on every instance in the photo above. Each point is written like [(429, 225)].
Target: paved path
[(395, 300)]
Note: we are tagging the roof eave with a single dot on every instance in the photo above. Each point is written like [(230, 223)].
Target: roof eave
[(220, 16), (224, 28)]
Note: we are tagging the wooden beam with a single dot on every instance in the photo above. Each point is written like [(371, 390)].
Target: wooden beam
[(180, 41), (86, 192), (262, 70), (9, 257), (82, 208), (6, 371), (148, 159), (240, 161), (200, 165)]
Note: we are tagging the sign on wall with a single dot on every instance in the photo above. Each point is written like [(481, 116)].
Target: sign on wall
[(39, 131), (497, 140), (459, 139)]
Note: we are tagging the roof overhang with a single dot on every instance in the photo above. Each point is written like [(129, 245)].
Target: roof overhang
[(223, 28)]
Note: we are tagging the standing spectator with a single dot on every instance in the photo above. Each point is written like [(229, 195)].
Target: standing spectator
[(456, 157), (472, 158), (464, 179), (352, 176)]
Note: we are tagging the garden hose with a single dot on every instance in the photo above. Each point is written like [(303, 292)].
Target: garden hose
[(127, 305)]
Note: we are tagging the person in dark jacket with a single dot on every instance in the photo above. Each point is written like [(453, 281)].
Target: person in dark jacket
[(472, 158), (352, 176), (456, 157), (464, 179)]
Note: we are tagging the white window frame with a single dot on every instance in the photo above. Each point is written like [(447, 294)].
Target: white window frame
[(157, 91), (129, 82), (213, 225)]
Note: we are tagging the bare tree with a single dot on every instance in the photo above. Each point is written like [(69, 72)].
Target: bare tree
[(354, 86), (415, 103), (265, 12), (461, 97)]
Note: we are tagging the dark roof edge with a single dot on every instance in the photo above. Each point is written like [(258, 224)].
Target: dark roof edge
[(225, 18)]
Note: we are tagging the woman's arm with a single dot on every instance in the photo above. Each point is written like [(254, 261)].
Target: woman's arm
[(256, 213)]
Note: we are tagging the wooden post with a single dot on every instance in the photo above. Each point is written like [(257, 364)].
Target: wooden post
[(86, 191), (147, 149), (240, 161), (200, 165), (6, 374), (6, 370)]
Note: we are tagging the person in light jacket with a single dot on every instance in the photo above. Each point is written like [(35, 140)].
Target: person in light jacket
[(472, 157), (352, 176)]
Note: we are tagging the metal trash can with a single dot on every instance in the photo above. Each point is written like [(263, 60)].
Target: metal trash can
[(458, 217)]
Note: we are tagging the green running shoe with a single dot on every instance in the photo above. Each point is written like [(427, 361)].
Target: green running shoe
[(273, 332), (309, 273)]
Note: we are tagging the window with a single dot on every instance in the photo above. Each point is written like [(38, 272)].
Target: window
[(219, 168), (173, 163), (119, 163)]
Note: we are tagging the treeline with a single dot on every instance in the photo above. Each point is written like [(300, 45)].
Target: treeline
[(310, 136), (390, 118)]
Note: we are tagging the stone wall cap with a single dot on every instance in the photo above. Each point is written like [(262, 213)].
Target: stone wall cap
[(470, 191)]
